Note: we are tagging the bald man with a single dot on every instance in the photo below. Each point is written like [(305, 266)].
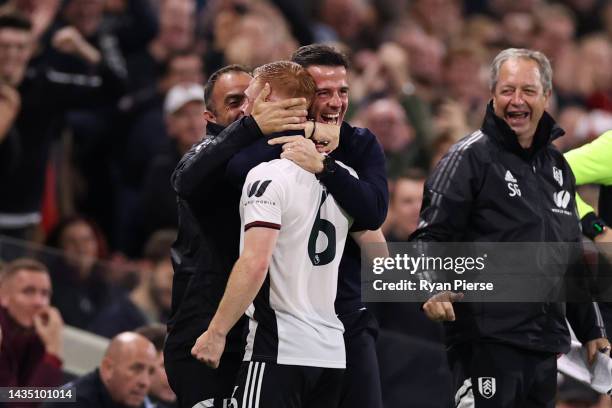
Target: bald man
[(123, 378)]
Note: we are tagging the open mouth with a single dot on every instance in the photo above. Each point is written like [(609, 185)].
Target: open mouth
[(330, 118), (517, 115)]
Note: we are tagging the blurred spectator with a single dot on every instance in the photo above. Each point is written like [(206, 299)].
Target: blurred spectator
[(450, 117), (465, 80), (31, 350), (441, 18), (386, 118), (518, 28), (146, 137), (176, 34), (150, 301), (40, 13), (186, 125), (594, 76), (588, 14), (123, 379), (160, 394), (34, 102), (425, 53), (96, 129), (554, 36), (259, 37), (404, 205), (350, 21), (82, 283)]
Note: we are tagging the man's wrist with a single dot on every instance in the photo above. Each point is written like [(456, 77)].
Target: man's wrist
[(217, 331), (329, 167), (592, 225)]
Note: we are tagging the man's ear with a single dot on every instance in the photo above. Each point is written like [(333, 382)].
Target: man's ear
[(106, 369), (209, 116), (547, 96)]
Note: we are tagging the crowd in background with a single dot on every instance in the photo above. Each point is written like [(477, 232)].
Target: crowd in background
[(92, 171)]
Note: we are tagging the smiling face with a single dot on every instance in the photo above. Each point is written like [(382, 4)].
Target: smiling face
[(519, 97), (228, 96), (331, 97), (15, 50)]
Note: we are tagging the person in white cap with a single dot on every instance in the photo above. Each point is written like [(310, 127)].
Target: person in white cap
[(184, 111), (185, 125)]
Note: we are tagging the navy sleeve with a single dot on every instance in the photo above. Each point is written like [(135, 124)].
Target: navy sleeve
[(256, 153), (365, 199), (193, 173)]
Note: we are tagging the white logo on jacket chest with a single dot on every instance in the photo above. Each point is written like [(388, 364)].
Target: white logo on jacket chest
[(558, 175), (513, 186)]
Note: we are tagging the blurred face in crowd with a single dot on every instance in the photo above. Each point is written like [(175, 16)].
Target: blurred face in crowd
[(387, 120), (519, 98), (331, 97), (185, 68), (15, 51), (127, 371), (160, 387), (85, 15), (227, 96), (78, 240), (177, 23), (25, 294), (406, 205), (188, 124), (162, 284)]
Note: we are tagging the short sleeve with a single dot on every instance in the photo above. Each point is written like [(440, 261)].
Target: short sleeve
[(263, 198)]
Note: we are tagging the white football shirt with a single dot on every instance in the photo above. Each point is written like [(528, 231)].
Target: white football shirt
[(292, 320)]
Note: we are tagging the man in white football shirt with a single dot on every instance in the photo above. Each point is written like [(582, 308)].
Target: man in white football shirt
[(286, 277)]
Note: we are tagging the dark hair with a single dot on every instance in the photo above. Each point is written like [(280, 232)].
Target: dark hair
[(157, 248), (319, 54), (214, 77), (14, 19), (164, 68), (55, 236), (20, 264), (155, 333)]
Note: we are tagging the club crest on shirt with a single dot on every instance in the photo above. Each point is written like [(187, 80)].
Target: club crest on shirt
[(558, 175), (486, 386)]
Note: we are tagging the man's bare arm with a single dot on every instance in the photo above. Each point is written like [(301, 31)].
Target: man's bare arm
[(248, 274)]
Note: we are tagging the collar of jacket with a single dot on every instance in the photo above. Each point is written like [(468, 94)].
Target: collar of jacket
[(213, 129), (497, 128)]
